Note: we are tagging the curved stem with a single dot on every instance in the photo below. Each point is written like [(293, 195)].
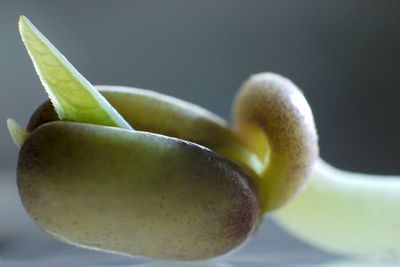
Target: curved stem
[(273, 117), (348, 213)]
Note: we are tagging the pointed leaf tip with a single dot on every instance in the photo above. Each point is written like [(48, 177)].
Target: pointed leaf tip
[(18, 134), (73, 97)]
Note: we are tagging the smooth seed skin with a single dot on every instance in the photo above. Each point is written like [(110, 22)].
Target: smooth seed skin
[(270, 114), (153, 112), (134, 192), (157, 113), (44, 113)]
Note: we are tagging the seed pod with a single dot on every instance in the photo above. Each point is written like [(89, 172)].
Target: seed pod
[(88, 178), (92, 184), (134, 192)]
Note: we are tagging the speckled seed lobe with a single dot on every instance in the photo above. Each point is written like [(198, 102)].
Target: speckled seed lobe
[(134, 192)]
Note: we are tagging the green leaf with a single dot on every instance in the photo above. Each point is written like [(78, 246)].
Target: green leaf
[(18, 134), (73, 97)]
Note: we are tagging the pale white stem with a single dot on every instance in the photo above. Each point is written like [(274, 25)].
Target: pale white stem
[(346, 213)]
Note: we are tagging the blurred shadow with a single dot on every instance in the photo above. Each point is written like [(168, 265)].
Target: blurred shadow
[(338, 263), (184, 264), (362, 263)]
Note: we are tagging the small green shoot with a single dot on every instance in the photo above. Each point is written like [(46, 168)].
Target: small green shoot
[(18, 134), (73, 97)]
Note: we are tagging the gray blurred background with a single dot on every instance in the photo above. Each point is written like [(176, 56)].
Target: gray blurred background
[(344, 55)]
